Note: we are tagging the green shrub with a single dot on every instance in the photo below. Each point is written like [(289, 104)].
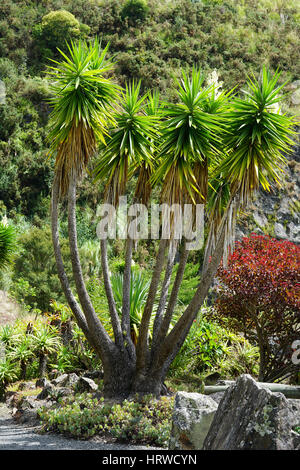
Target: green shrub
[(134, 11), (141, 422), (57, 27), (210, 347), (35, 269), (7, 245)]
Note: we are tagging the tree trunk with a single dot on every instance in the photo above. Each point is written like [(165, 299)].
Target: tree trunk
[(164, 291), (115, 321), (118, 375), (23, 366), (42, 365), (66, 332), (60, 266), (166, 320), (142, 346), (96, 328), (126, 330)]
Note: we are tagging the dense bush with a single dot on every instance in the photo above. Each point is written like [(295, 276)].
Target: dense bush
[(55, 29), (7, 244), (35, 268), (258, 295), (209, 347), (33, 347), (134, 11), (142, 422)]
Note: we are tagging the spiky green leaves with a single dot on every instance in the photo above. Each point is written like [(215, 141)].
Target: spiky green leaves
[(258, 137), (190, 137), (82, 99), (130, 143)]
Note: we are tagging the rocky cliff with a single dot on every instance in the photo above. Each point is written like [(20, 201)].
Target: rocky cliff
[(277, 213)]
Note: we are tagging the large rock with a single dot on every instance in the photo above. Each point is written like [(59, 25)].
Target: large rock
[(192, 417), (66, 380), (252, 417), (60, 381), (86, 385), (46, 392)]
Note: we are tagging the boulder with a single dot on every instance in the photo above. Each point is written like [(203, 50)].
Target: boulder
[(250, 416), (72, 379), (94, 374), (86, 385), (192, 417), (60, 380), (42, 383), (66, 380), (47, 392)]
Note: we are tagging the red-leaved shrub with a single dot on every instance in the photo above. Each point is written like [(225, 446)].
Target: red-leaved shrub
[(259, 295)]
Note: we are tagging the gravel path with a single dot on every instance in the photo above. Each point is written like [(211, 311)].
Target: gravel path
[(23, 437)]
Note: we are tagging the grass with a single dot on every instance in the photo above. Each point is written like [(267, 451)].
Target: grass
[(17, 387), (185, 383)]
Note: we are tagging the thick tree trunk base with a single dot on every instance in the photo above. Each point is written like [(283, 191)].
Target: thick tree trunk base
[(118, 377), (121, 381), (148, 384)]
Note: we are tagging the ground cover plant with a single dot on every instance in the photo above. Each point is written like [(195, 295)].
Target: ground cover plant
[(144, 422)]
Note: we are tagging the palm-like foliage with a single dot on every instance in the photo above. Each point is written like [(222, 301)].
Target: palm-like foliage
[(145, 168), (257, 139), (44, 340), (23, 352), (7, 245), (254, 142), (81, 103), (7, 374), (129, 143), (190, 138), (8, 336)]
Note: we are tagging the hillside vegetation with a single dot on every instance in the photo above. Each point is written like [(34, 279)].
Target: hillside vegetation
[(151, 41)]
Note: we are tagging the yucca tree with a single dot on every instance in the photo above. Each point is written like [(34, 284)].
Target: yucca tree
[(129, 149), (205, 149), (81, 113)]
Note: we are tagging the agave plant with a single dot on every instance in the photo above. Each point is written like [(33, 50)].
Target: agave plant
[(7, 374), (45, 342), (138, 294), (8, 336), (22, 353)]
